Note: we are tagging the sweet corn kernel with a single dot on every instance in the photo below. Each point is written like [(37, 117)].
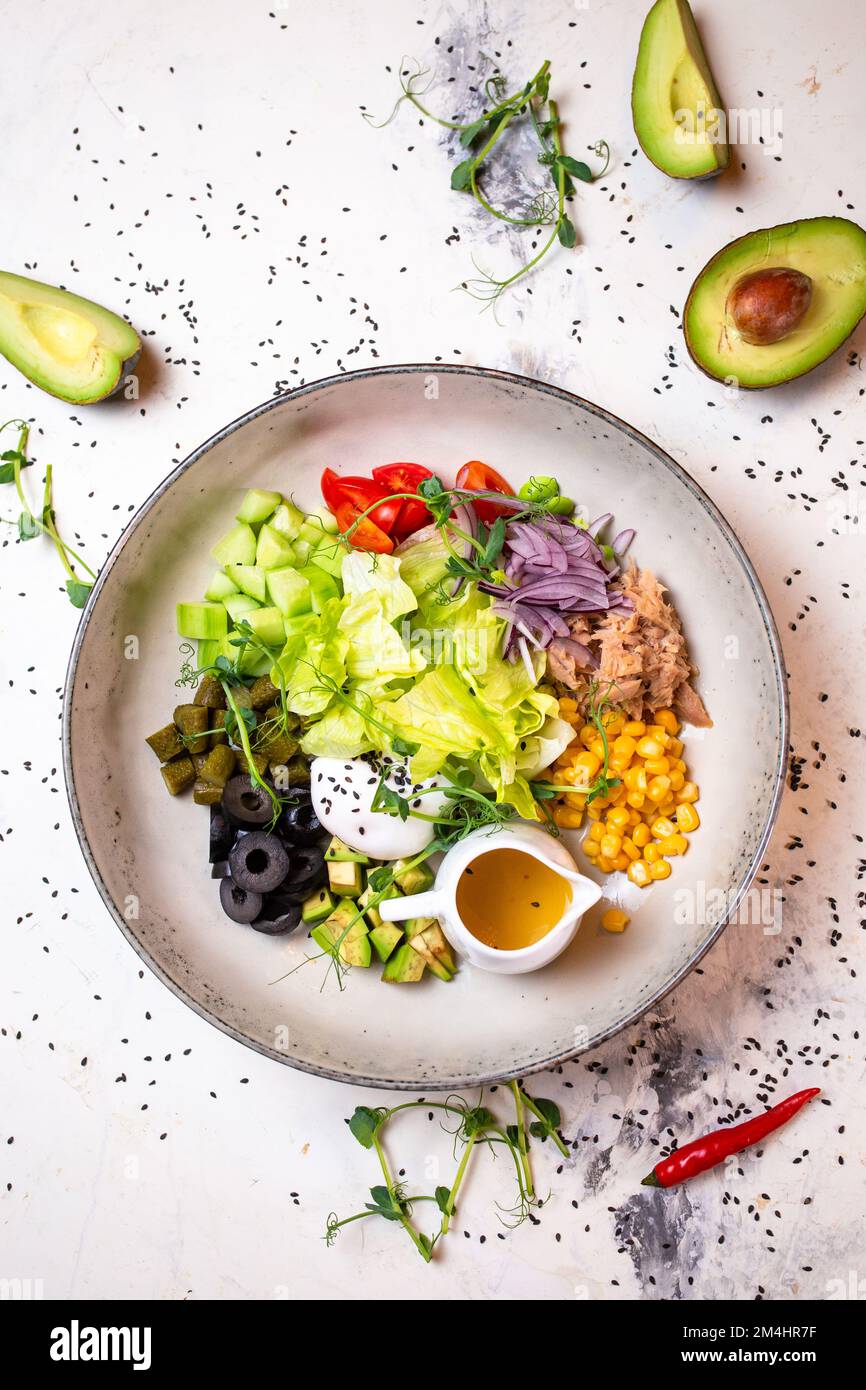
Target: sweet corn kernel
[(635, 728), (656, 731), (675, 748), (688, 792), (588, 764), (576, 800), (678, 765), (660, 869), (621, 862), (618, 766), (640, 873), (667, 807), (611, 845), (618, 819), (658, 788), (614, 919), (674, 844), (641, 835), (630, 849), (636, 800), (662, 827), (687, 817), (668, 720), (567, 704), (605, 864), (634, 816), (656, 767), (597, 747), (623, 747), (593, 810), (588, 735), (652, 854), (567, 819), (590, 849), (678, 779), (648, 747), (597, 831), (635, 779), (613, 723)]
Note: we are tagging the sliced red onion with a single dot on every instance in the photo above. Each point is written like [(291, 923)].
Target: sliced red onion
[(622, 542), (527, 659), (463, 518)]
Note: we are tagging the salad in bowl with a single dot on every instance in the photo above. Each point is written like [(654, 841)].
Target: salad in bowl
[(408, 664)]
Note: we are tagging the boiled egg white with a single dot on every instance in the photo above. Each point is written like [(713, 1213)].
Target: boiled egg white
[(342, 791)]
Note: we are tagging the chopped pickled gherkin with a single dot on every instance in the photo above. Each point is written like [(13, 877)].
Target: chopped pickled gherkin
[(192, 721), (204, 794), (166, 743), (210, 693), (218, 766), (179, 774)]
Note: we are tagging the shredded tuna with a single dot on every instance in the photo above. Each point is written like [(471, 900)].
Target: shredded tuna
[(641, 653)]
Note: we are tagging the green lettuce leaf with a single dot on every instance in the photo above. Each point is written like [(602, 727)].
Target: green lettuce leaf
[(381, 574), (375, 648)]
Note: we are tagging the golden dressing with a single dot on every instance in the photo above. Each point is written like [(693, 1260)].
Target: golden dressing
[(508, 899)]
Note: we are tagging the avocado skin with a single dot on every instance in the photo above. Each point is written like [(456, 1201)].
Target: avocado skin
[(806, 226), (118, 343), (645, 48)]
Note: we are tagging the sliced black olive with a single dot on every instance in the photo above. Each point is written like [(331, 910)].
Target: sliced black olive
[(259, 862), (307, 869), (245, 803), (222, 835), (276, 925), (220, 869), (299, 824), (238, 903)]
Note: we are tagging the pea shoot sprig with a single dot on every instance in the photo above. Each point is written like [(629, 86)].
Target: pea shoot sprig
[(30, 525), (472, 1127), (504, 111)]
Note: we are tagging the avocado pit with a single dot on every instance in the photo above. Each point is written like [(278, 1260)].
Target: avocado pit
[(766, 305)]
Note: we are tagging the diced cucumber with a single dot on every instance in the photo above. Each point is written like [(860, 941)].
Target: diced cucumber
[(346, 880), (267, 624), (328, 556), (208, 651), (404, 967), (237, 547), (416, 878), (322, 586), (288, 520), (220, 587), (384, 939), (239, 605), (328, 520), (249, 662), (302, 550), (258, 505), (273, 550), (250, 580), (317, 907), (206, 620), (290, 591), (344, 854)]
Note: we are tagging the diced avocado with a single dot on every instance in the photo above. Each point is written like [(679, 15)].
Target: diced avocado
[(328, 556), (373, 915), (250, 580), (317, 907), (178, 774), (679, 117), (345, 927), (258, 505), (166, 743), (206, 620), (435, 938), (346, 879), (220, 587), (239, 605), (192, 721), (273, 550), (385, 938), (322, 586), (417, 930), (288, 520), (66, 345), (404, 967), (343, 853), (267, 624), (207, 651), (412, 878), (289, 591), (237, 547)]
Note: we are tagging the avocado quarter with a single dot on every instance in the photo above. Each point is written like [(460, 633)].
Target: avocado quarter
[(831, 251), (68, 346), (678, 114)]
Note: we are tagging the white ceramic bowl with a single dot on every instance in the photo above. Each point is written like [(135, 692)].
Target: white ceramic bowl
[(141, 846)]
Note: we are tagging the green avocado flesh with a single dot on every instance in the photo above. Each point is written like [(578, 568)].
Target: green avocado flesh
[(830, 250), (672, 76), (68, 346)]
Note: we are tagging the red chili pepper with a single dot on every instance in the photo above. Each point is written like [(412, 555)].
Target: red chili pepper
[(705, 1153)]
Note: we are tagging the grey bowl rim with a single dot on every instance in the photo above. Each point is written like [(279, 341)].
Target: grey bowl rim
[(612, 421)]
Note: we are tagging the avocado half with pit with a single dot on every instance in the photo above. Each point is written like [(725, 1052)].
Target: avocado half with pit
[(677, 111), (777, 302), (66, 345)]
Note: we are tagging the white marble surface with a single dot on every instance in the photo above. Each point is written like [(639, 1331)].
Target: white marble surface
[(204, 168)]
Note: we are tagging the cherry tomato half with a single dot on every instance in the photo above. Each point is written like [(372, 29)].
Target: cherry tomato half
[(480, 477), (361, 493), (367, 536), (405, 477)]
